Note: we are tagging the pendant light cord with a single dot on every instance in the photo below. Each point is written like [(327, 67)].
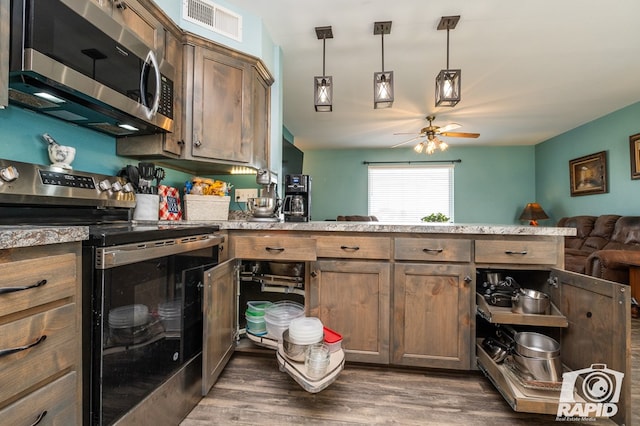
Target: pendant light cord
[(383, 51)]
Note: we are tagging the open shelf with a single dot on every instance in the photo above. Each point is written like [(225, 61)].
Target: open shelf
[(503, 315)]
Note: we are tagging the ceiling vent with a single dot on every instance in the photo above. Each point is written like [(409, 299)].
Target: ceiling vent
[(213, 17)]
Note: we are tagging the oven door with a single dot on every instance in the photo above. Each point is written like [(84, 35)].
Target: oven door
[(146, 310)]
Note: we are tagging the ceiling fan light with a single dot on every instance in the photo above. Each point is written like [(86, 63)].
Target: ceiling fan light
[(418, 148), (323, 93), (382, 89), (448, 87), (443, 146), (431, 147)]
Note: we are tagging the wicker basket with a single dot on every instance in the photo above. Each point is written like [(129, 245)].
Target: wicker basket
[(206, 207)]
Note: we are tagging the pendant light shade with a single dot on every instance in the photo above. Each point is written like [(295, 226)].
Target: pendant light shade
[(448, 86), (323, 85), (382, 81)]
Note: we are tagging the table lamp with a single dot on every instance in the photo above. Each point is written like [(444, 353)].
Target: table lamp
[(533, 212)]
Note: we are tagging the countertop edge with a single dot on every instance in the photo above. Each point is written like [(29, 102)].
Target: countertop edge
[(29, 236)]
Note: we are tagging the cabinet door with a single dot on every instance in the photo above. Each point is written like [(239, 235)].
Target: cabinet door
[(260, 123), (353, 298), (218, 108), (219, 307), (433, 315)]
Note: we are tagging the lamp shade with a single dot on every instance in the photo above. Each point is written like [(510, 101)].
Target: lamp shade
[(383, 89), (448, 87), (533, 212), (323, 93)]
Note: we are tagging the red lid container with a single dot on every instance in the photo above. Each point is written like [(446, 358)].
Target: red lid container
[(331, 336)]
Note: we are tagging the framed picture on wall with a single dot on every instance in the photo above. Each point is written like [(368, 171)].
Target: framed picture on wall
[(589, 174), (634, 148)]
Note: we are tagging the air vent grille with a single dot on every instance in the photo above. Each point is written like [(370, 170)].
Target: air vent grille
[(213, 17)]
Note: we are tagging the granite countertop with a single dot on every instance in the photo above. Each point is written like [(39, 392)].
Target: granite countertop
[(422, 228), (28, 236)]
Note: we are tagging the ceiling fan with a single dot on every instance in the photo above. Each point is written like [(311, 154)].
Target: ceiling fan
[(431, 132)]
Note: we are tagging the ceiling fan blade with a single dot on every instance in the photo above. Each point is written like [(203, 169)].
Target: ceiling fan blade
[(460, 134), (450, 126), (405, 133), (406, 142)]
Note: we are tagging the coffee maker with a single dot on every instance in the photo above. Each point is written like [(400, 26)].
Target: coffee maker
[(297, 198)]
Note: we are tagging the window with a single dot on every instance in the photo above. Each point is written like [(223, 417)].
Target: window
[(406, 194)]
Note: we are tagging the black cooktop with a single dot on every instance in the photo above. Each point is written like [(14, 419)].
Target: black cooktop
[(126, 233)]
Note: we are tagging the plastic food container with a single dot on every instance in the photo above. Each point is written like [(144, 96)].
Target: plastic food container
[(278, 315), (332, 339), (256, 325), (257, 308), (306, 330)]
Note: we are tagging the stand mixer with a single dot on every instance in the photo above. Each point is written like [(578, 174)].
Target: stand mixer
[(265, 208)]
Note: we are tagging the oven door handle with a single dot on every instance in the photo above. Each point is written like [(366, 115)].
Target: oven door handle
[(111, 257)]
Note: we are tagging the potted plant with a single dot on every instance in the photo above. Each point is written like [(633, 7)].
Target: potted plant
[(435, 217)]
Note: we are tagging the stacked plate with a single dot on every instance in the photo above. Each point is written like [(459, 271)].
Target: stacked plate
[(128, 316)]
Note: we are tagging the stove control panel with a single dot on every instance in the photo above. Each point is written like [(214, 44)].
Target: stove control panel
[(27, 183)]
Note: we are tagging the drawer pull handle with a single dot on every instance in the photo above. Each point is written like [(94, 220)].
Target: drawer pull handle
[(352, 248), (4, 352), (430, 250), (40, 417), (523, 252), (4, 290), (276, 249)]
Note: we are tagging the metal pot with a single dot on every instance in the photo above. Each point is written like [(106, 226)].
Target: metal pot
[(288, 269), (498, 298), (535, 345), (527, 301), (542, 369)]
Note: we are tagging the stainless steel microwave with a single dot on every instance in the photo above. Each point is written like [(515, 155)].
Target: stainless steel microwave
[(71, 60)]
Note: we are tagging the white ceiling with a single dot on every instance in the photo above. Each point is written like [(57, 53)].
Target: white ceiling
[(530, 69)]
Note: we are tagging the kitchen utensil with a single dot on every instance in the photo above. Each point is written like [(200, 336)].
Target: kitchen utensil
[(146, 172), (493, 277), (498, 298), (159, 174), (528, 301), (131, 173), (496, 350), (535, 345), (262, 206), (49, 139), (541, 369), (295, 351)]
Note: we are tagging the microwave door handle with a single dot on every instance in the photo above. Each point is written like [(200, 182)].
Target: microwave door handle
[(151, 58)]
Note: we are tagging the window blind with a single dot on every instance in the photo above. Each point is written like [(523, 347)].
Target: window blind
[(406, 194)]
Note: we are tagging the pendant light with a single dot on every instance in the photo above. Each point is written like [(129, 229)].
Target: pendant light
[(382, 81), (323, 85), (448, 81)]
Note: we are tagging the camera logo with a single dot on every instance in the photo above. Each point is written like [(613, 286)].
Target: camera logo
[(599, 388)]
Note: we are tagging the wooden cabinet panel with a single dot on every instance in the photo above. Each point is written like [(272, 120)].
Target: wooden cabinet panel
[(58, 273), (433, 249), (261, 100), (274, 248), (520, 251), (354, 247), (54, 404), (219, 102), (25, 368), (353, 298), (219, 312), (433, 315)]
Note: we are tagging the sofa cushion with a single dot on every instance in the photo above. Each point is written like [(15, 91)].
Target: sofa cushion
[(627, 230), (601, 233)]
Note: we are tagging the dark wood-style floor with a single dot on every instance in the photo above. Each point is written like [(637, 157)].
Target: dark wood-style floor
[(253, 391)]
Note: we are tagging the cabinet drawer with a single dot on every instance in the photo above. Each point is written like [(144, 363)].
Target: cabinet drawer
[(433, 249), (58, 351), (520, 251), (57, 400), (354, 247), (58, 272), (275, 248)]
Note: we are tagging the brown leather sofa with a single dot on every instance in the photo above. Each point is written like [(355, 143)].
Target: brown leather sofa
[(604, 245), (357, 218)]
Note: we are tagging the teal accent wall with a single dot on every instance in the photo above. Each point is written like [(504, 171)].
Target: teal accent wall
[(609, 133), (492, 184), (20, 140)]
